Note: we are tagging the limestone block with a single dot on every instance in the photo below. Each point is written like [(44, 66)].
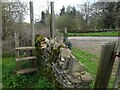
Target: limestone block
[(75, 65), (86, 78), (65, 52), (73, 79), (66, 64)]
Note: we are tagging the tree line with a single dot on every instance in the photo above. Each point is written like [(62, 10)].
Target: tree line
[(98, 15)]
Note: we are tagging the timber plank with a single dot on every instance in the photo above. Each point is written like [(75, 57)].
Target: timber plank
[(25, 48), (26, 58), (26, 71)]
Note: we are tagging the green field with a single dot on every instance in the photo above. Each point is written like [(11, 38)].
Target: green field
[(90, 61), (112, 33)]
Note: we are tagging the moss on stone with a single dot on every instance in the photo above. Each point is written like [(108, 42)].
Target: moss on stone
[(46, 56)]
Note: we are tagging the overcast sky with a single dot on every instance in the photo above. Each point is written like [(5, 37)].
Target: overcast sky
[(41, 5)]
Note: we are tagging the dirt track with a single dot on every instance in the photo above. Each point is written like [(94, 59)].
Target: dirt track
[(93, 45)]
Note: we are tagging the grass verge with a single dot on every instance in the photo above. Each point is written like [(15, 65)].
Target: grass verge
[(112, 33), (12, 80), (90, 61)]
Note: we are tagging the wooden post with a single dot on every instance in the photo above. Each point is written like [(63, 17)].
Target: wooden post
[(17, 45), (117, 77), (52, 26), (65, 35), (0, 30), (17, 31), (0, 44), (34, 62), (107, 57), (32, 23)]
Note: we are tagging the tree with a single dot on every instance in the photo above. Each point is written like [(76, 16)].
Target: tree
[(68, 18), (67, 21), (85, 10), (62, 11), (109, 15), (44, 21), (43, 17), (73, 11), (12, 13), (106, 13), (95, 16)]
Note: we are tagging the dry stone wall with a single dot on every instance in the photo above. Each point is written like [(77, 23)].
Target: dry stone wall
[(57, 63)]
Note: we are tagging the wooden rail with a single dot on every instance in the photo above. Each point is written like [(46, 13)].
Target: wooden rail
[(25, 48), (26, 71), (26, 58)]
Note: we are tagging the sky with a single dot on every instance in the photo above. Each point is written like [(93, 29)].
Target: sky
[(42, 5)]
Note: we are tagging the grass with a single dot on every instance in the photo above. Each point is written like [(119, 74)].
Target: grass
[(12, 80), (111, 33), (90, 61)]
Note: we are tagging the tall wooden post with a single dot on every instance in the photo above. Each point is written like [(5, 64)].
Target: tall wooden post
[(107, 57), (17, 51), (0, 29), (34, 62), (17, 31), (65, 35), (117, 77), (0, 44), (52, 26), (32, 23)]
